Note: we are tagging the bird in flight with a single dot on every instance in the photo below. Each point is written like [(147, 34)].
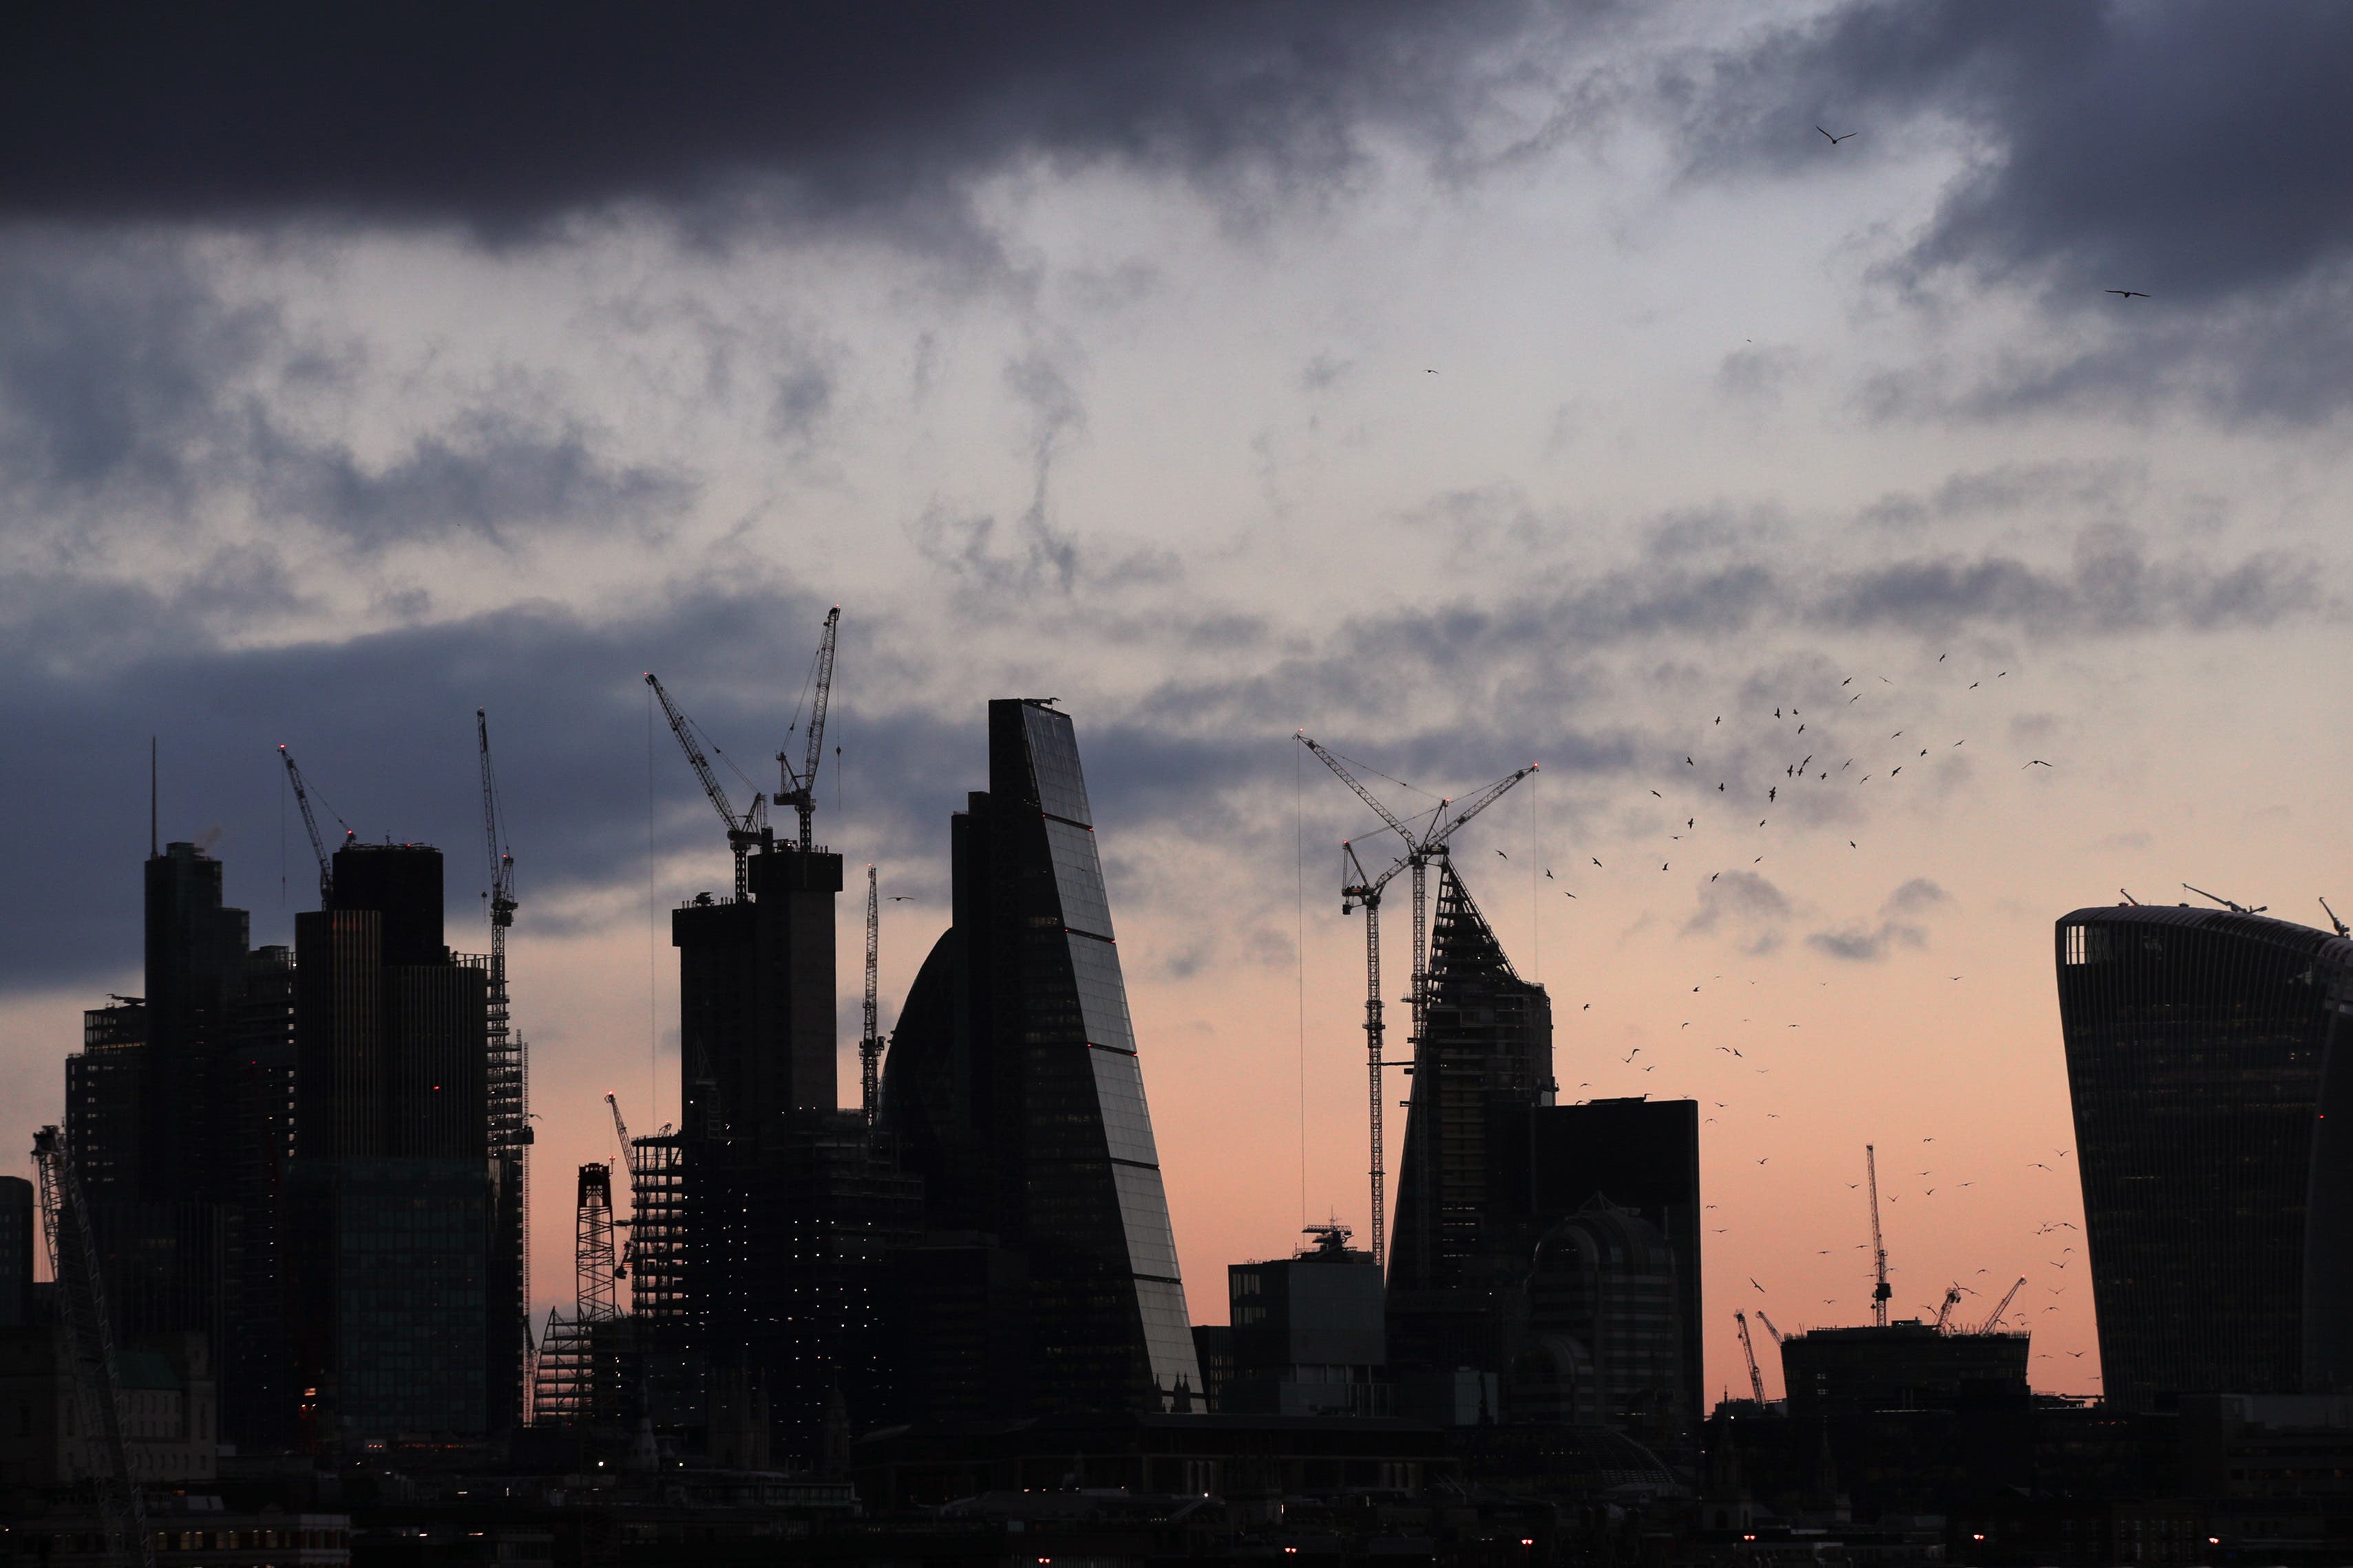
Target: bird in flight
[(2127, 293), (1501, 856), (1834, 140), (2037, 762), (901, 898)]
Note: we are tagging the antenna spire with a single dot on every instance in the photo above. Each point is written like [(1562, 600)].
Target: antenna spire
[(153, 839)]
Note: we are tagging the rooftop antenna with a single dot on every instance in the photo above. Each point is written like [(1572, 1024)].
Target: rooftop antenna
[(1879, 1292), (2234, 906), (152, 837), (2341, 928)]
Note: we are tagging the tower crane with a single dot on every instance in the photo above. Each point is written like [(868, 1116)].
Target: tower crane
[(1994, 1319), (311, 826), (629, 1160), (1945, 1312), (1360, 891), (743, 831), (870, 1043), (799, 790), (1748, 1351), (90, 1347), (1768, 1325), (1879, 1292), (510, 1129)]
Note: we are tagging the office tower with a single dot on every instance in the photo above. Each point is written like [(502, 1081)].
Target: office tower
[(16, 1243), (1484, 1063), (1308, 1335), (195, 968), (1013, 1085), (1640, 1155), (1600, 1339), (391, 1194), (779, 1206), (2214, 1140)]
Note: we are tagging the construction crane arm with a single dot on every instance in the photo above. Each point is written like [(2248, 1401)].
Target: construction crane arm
[(1345, 778), (620, 1128), (502, 899), (1748, 1351), (2009, 1296), (701, 763), (311, 826), (1356, 887), (800, 788), (1768, 1325), (1485, 799)]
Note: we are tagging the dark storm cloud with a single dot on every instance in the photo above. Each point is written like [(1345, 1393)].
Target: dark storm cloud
[(131, 393), (2193, 152), (504, 117)]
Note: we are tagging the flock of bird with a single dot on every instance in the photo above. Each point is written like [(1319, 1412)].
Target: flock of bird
[(1754, 785)]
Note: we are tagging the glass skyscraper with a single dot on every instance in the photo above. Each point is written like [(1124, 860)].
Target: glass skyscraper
[(1013, 1086), (2214, 1133)]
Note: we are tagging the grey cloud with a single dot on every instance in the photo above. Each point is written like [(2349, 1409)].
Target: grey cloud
[(1866, 944), (1918, 894), (132, 396), (2190, 152), (1742, 900), (2111, 585)]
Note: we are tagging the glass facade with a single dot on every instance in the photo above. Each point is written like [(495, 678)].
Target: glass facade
[(2217, 1195), (1013, 1082)]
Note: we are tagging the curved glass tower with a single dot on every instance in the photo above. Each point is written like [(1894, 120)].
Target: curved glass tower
[(1013, 1087), (2214, 1129)]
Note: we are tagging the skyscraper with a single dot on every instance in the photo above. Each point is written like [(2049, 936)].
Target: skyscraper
[(393, 1197), (178, 1111), (2214, 1138), (786, 1205), (1014, 1089), (1484, 1063)]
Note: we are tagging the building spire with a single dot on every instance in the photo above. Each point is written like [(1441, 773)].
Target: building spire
[(153, 845)]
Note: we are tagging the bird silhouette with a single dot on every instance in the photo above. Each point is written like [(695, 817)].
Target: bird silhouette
[(1850, 136), (2127, 293), (2037, 762)]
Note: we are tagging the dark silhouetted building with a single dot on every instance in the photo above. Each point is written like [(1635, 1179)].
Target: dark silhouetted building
[(2214, 1136), (178, 1111), (392, 1194), (1013, 1086), (16, 1243), (1308, 1336), (1907, 1365), (771, 1272), (1600, 1332), (1637, 1154), (1463, 1226)]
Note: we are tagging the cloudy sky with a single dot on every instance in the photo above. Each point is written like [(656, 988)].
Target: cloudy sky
[(1469, 385)]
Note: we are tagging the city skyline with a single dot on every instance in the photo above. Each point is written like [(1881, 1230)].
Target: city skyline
[(1439, 425)]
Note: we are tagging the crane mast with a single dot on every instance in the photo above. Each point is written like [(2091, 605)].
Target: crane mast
[(510, 1118), (743, 831), (1768, 1325), (799, 790), (1356, 889), (90, 1347), (1748, 1351), (1879, 1292), (870, 1041), (311, 826)]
